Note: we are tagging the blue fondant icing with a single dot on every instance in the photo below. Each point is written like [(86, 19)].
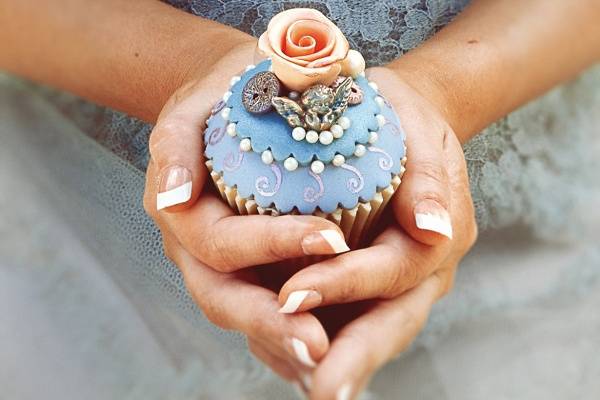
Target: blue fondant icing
[(271, 131), (273, 186)]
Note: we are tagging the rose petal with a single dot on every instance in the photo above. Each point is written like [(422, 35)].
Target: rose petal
[(296, 77), (320, 35), (305, 47)]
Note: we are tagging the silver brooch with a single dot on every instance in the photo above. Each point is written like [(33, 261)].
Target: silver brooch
[(319, 108)]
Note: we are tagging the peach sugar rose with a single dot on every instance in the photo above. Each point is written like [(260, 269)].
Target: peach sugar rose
[(306, 48)]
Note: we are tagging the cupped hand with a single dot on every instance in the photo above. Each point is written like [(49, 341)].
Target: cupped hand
[(211, 245), (409, 265), (204, 225)]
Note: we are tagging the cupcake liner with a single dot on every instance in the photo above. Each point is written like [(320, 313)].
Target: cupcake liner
[(355, 223)]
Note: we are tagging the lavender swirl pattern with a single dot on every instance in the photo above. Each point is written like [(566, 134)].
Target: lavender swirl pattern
[(217, 108), (216, 135), (386, 162), (310, 194), (354, 184), (262, 182), (393, 128), (233, 162)]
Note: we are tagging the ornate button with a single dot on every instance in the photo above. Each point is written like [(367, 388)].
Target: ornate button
[(259, 91)]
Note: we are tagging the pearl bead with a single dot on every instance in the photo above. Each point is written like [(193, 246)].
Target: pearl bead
[(298, 133), (360, 150), (250, 67), (337, 131), (374, 86), (325, 137), (294, 95), (317, 167), (231, 129), (338, 160), (380, 120), (380, 102), (234, 80), (245, 144), (344, 122), (267, 157), (373, 136), (290, 163), (353, 64), (227, 95), (225, 113), (312, 137)]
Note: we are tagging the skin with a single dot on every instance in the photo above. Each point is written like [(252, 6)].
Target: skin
[(167, 67)]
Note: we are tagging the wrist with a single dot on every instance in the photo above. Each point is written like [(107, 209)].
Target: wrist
[(426, 78)]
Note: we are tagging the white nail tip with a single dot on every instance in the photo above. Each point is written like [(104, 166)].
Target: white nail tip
[(344, 392), (294, 301), (432, 222), (306, 381), (179, 195), (302, 353), (335, 240)]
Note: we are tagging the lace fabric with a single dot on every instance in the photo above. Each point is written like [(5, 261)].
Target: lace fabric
[(536, 168)]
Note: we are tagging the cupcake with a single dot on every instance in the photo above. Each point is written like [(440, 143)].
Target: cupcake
[(304, 132)]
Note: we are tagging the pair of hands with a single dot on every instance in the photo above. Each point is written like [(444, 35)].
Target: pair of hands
[(366, 305)]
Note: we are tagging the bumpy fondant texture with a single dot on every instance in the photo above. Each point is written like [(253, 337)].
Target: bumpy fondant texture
[(271, 185)]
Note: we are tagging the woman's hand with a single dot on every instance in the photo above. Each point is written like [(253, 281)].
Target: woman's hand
[(210, 244), (201, 222), (407, 268), (406, 253)]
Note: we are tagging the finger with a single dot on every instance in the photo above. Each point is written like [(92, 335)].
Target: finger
[(279, 365), (422, 203), (231, 302), (394, 264), (371, 340), (211, 233)]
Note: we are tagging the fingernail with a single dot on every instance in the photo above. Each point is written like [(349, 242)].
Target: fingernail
[(175, 187), (306, 381), (344, 392), (324, 242), (310, 298), (301, 353), (431, 216)]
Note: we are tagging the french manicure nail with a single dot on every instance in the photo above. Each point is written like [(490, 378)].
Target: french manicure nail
[(344, 392), (302, 354), (306, 381), (324, 242), (431, 216), (175, 187), (310, 298)]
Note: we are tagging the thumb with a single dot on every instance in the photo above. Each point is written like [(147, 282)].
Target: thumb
[(422, 203), (176, 149)]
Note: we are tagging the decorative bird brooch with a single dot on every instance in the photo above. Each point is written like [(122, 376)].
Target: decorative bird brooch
[(319, 106)]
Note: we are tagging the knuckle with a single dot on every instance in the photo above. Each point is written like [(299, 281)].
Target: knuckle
[(408, 275), (433, 171), (166, 131), (271, 241), (212, 311), (213, 250)]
